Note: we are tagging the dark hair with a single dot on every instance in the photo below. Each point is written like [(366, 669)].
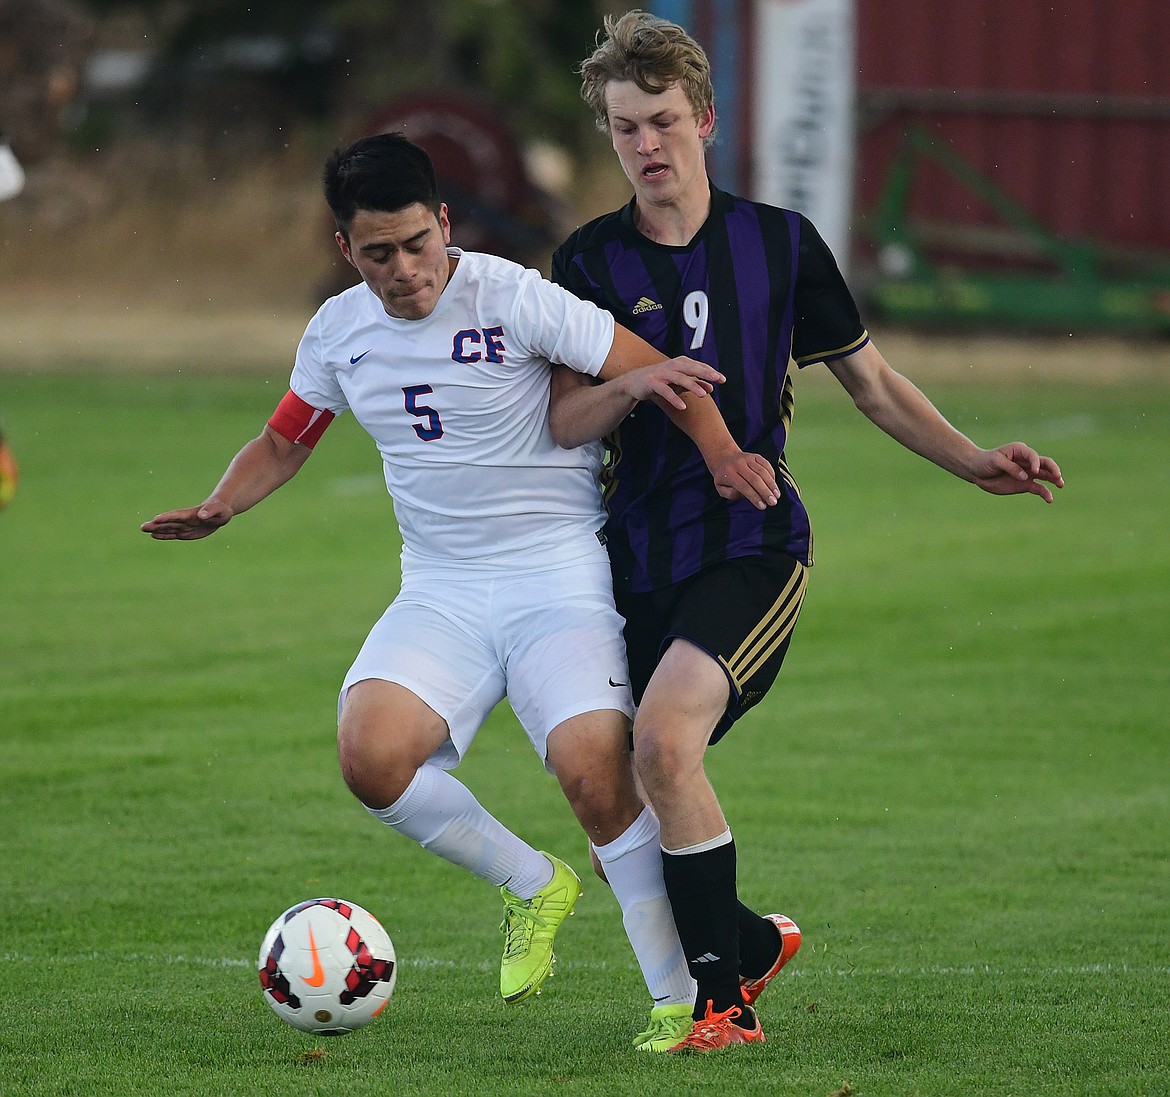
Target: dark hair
[(386, 172)]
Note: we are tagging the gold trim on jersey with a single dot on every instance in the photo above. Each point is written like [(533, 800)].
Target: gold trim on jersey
[(836, 352), (610, 460), (787, 477), (787, 407), (774, 628), (787, 402)]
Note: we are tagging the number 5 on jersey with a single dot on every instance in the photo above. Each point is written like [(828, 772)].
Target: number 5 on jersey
[(434, 426)]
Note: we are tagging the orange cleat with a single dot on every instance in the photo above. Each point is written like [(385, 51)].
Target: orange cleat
[(789, 946), (719, 1030)]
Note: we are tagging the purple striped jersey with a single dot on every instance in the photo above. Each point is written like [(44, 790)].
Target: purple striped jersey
[(755, 289)]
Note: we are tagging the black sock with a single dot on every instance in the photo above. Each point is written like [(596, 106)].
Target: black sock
[(759, 943), (701, 888)]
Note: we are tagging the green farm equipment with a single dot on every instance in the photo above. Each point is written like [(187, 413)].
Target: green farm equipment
[(1019, 275)]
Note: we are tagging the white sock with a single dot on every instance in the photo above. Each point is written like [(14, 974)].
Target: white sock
[(723, 839), (441, 814), (633, 866)]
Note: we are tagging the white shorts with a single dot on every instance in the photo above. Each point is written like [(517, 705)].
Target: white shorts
[(550, 641)]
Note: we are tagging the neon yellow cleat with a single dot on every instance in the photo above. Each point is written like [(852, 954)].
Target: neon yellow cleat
[(529, 927), (669, 1025)]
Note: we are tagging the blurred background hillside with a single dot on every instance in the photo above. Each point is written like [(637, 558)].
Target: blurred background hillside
[(172, 148), (987, 167)]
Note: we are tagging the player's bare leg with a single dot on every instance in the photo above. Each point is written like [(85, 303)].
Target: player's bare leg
[(386, 738), (684, 700), (590, 755)]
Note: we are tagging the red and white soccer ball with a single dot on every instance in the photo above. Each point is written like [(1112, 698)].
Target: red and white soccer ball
[(327, 967)]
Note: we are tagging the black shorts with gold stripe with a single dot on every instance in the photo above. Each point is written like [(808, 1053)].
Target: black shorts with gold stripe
[(741, 612)]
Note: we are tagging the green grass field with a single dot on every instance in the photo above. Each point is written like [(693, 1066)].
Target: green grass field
[(960, 788)]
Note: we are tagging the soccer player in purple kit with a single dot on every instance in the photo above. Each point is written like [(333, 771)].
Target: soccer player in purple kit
[(711, 586)]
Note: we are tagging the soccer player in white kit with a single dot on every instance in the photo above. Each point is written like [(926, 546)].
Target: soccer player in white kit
[(443, 356)]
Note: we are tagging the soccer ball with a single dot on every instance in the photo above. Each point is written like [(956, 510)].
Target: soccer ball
[(327, 967)]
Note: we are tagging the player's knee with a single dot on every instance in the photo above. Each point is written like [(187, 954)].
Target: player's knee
[(602, 796), (359, 774), (596, 801), (664, 761), (385, 733), (373, 770)]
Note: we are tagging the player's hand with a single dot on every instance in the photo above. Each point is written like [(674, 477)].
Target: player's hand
[(667, 380), (1017, 469), (748, 476), (189, 523)]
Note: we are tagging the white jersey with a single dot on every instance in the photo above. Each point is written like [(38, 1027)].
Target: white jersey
[(458, 405)]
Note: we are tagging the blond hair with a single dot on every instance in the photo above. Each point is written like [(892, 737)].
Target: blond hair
[(653, 53)]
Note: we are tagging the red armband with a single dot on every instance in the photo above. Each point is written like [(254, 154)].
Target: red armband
[(299, 422)]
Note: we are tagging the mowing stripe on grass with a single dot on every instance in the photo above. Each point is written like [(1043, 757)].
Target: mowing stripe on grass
[(433, 962)]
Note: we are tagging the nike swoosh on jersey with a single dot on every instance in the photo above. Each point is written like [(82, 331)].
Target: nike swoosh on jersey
[(355, 360)]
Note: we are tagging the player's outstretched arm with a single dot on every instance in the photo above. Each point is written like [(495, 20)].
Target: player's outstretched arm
[(900, 408), (262, 466)]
